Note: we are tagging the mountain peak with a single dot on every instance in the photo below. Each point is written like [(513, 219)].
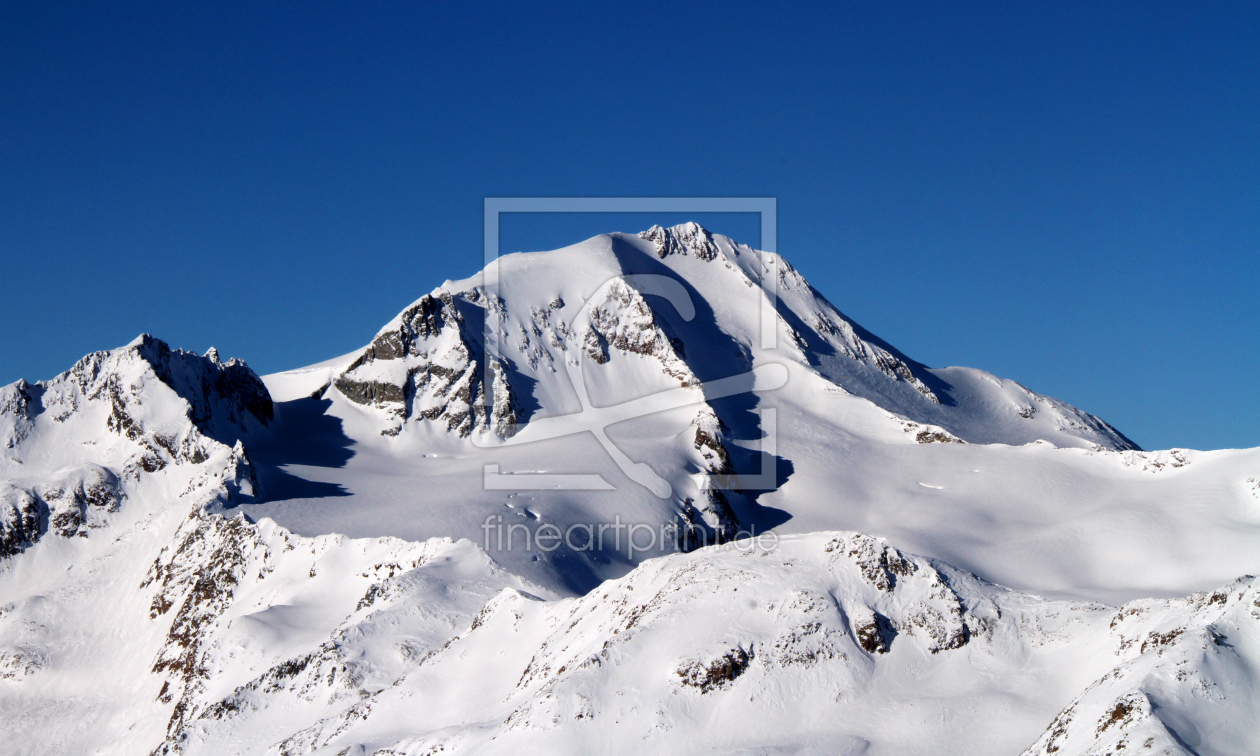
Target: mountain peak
[(685, 238)]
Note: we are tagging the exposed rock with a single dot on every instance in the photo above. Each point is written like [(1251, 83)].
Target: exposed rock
[(162, 407), (1176, 641), (80, 499), (937, 437), (240, 478), (219, 393), (843, 336), (708, 441), (1157, 461), (197, 578), (595, 346), (19, 404), (20, 662), (421, 367), (708, 521), (717, 673), (927, 434), (687, 238), (506, 409), (221, 399), (879, 563), (938, 613), (814, 631), (334, 674), (875, 633), (21, 518), (625, 322)]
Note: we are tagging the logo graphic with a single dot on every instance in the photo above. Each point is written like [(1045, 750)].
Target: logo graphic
[(766, 377)]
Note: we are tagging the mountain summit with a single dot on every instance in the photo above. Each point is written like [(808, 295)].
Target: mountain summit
[(422, 365)]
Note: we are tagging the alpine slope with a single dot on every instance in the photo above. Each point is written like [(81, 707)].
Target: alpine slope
[(767, 532)]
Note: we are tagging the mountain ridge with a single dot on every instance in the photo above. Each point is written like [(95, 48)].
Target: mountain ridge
[(197, 559), (821, 335)]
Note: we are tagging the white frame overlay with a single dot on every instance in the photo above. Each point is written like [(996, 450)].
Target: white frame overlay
[(767, 210)]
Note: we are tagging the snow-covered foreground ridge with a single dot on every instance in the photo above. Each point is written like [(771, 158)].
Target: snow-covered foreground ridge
[(172, 580), (243, 638)]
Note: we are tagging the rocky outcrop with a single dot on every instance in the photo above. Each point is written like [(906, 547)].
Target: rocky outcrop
[(836, 623), (81, 500), (715, 674), (818, 624), (22, 518), (422, 367), (709, 430), (1164, 460), (624, 321), (840, 333), (705, 520), (222, 397), (937, 616), (240, 478), (506, 410), (18, 663), (19, 404), (198, 578), (685, 239), (407, 612), (708, 518), (73, 503)]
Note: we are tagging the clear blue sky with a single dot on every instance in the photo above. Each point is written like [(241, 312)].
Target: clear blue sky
[(1063, 194)]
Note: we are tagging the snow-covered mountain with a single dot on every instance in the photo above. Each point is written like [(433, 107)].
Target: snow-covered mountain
[(348, 558), (421, 365)]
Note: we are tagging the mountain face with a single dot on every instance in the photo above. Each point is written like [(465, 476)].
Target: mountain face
[(112, 418), (423, 364), (349, 558)]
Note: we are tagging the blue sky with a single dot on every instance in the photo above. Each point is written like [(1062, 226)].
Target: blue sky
[(1063, 194)]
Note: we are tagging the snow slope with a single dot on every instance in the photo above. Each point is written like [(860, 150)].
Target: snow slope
[(197, 560), (831, 643), (1042, 496)]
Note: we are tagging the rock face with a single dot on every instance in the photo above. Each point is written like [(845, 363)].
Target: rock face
[(686, 239), (81, 499), (1177, 673), (400, 615), (624, 321), (221, 397), (197, 578), (22, 517), (19, 405), (220, 400), (422, 367)]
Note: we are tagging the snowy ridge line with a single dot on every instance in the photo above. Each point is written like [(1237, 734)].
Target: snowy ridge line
[(421, 366), (834, 618), (117, 416)]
